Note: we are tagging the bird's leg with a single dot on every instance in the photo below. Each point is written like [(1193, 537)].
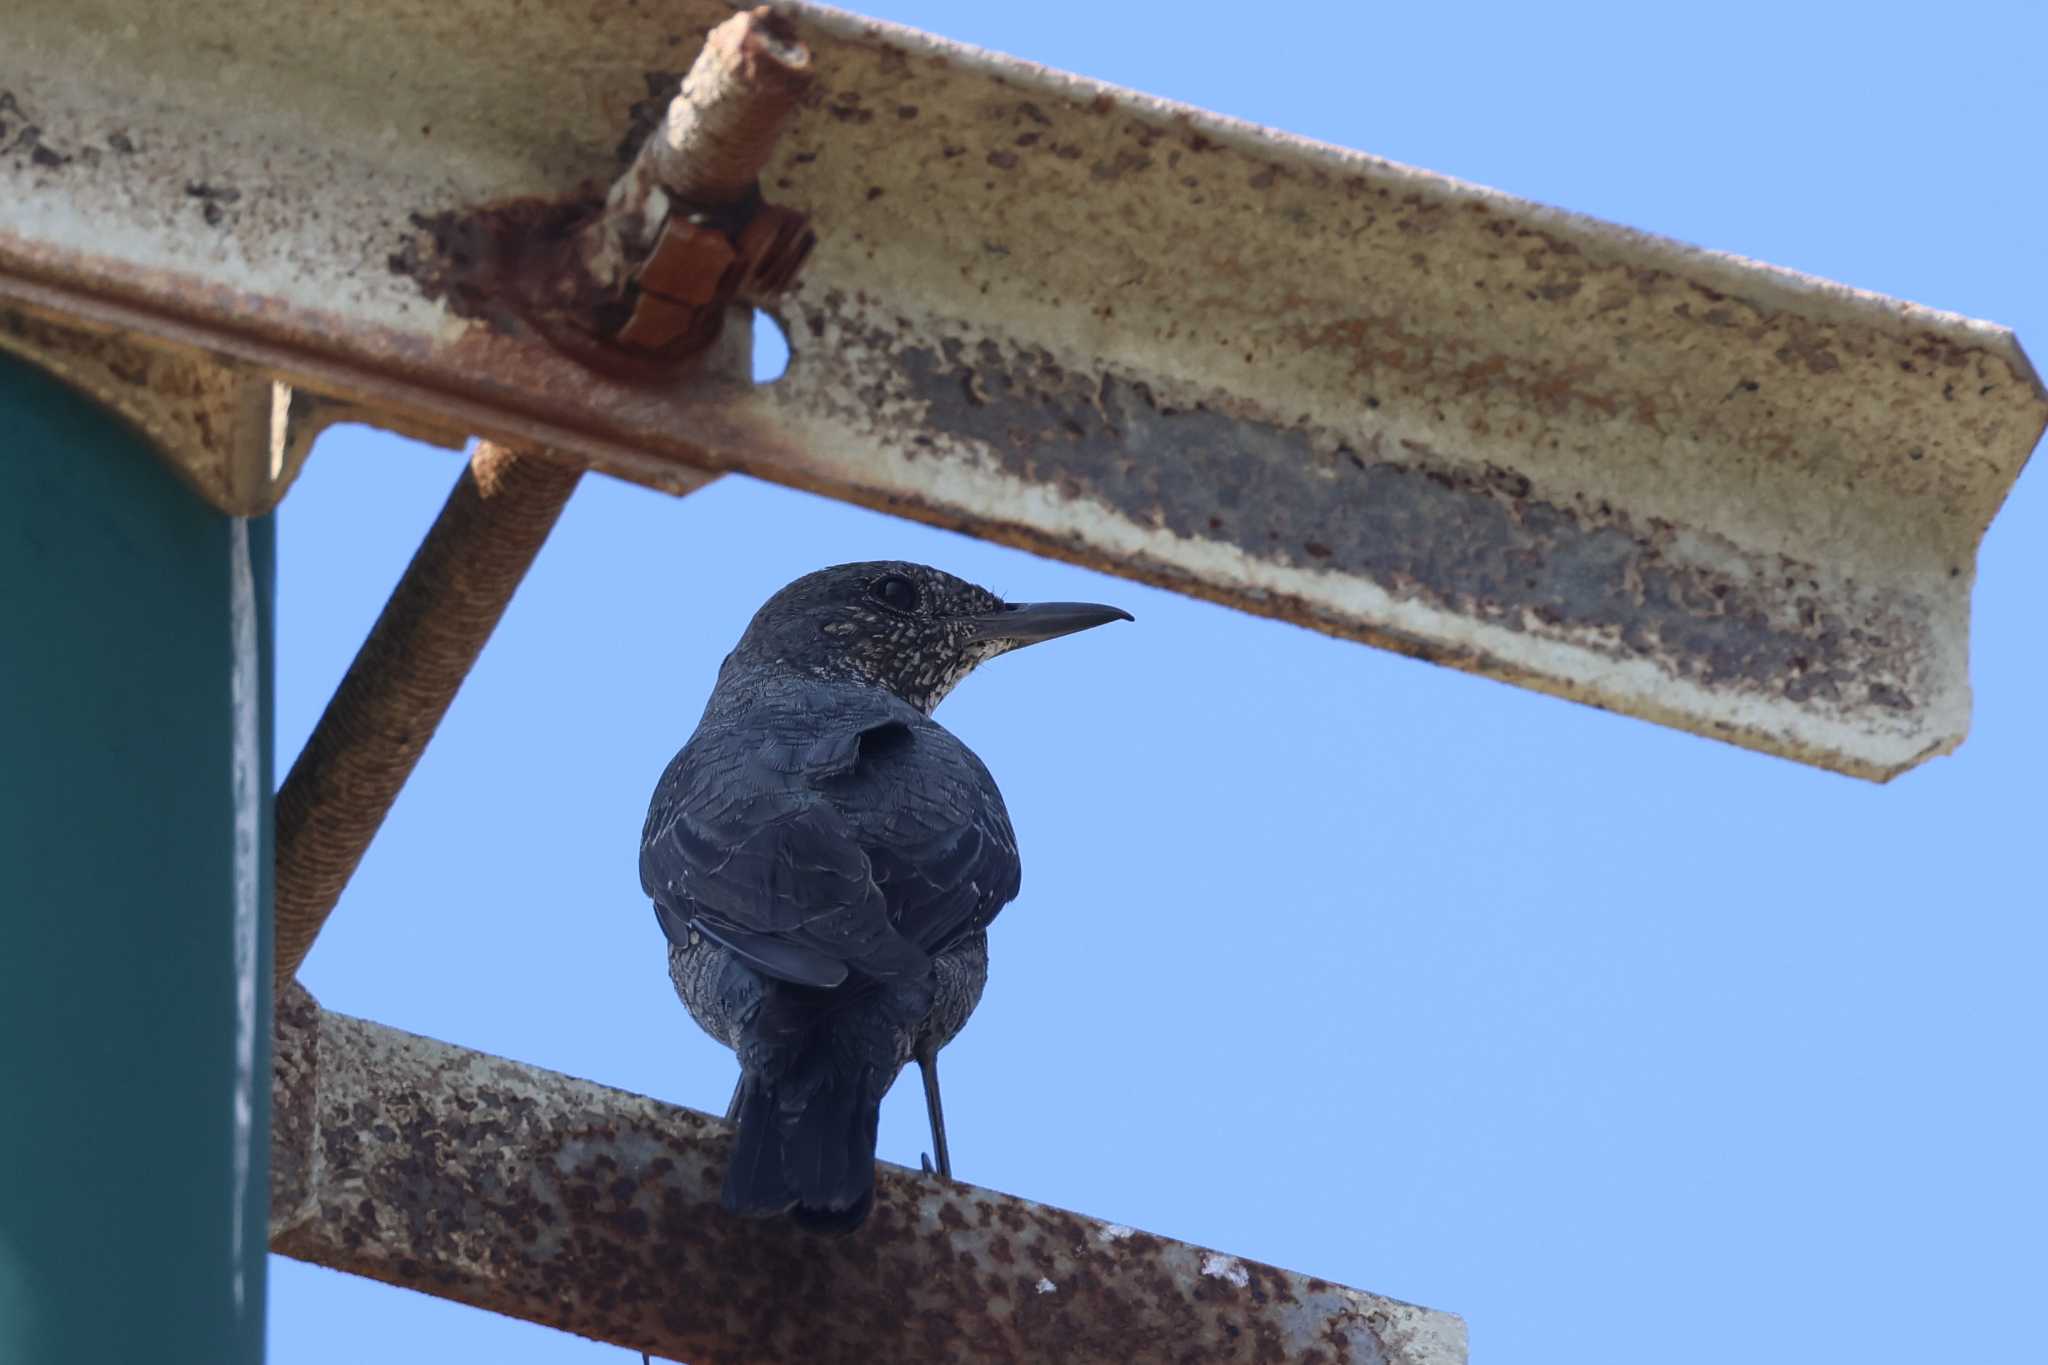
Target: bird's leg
[(732, 1108), (928, 1068)]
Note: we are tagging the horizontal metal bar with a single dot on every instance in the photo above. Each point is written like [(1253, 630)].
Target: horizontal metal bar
[(595, 1211), (1299, 380)]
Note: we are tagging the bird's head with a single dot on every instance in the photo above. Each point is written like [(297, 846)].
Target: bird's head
[(907, 627)]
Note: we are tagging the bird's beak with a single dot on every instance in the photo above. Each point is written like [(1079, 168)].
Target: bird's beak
[(1026, 623)]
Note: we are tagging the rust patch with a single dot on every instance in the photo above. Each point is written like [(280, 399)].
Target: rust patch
[(496, 263), (516, 267), (636, 282), (1484, 543)]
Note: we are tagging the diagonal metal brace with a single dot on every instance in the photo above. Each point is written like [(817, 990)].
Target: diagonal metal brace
[(403, 679)]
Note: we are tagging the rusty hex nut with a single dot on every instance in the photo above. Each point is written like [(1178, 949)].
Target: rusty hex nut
[(658, 323), (682, 290), (691, 264)]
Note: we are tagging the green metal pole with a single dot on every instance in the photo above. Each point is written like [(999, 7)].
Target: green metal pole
[(135, 688)]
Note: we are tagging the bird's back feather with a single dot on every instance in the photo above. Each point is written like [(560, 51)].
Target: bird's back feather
[(833, 840)]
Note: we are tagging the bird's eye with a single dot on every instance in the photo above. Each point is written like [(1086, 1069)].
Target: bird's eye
[(895, 592)]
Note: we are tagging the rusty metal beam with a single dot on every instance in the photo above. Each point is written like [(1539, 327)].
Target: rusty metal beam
[(1299, 380), (595, 1211)]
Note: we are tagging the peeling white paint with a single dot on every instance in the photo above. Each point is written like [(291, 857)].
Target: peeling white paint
[(245, 682), (1046, 1286), (1227, 1268)]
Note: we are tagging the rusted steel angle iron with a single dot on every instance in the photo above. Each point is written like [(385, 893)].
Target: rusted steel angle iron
[(1299, 380), (595, 1211)]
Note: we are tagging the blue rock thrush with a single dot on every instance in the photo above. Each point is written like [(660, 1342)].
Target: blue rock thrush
[(825, 860)]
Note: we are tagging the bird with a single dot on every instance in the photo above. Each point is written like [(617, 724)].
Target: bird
[(824, 860)]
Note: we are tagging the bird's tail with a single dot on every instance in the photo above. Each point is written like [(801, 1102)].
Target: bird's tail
[(806, 1148), (811, 1099)]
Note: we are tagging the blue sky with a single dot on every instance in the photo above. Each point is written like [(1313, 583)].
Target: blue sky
[(1623, 1044)]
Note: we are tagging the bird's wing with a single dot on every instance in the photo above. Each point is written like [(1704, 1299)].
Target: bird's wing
[(840, 835), (937, 835), (742, 846)]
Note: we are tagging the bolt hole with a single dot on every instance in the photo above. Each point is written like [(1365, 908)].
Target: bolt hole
[(771, 348)]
